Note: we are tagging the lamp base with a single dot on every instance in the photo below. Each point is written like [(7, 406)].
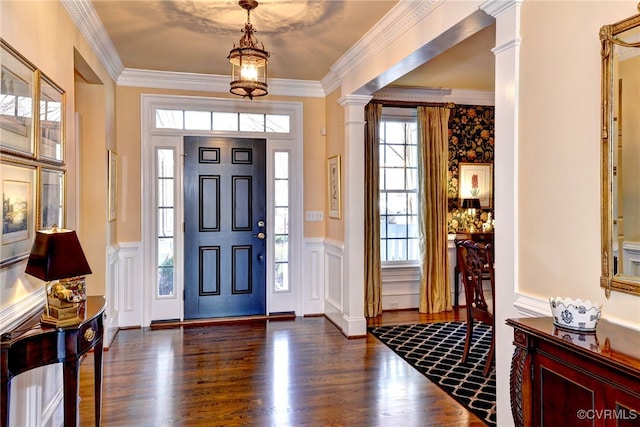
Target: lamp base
[(62, 313), (59, 323)]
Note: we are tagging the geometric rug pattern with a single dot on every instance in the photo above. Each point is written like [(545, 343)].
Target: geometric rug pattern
[(435, 350)]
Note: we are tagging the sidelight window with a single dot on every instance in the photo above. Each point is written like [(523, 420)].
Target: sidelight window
[(165, 162), (281, 218)]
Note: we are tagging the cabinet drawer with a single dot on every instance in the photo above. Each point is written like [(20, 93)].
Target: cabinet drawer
[(89, 334)]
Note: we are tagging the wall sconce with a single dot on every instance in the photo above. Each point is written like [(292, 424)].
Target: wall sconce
[(56, 254)]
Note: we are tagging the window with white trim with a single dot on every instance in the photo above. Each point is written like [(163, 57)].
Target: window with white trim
[(165, 162), (398, 188), (281, 225), (221, 121)]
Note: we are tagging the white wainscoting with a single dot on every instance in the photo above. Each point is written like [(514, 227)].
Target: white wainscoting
[(400, 288), (313, 284), (333, 280), (36, 398), (129, 298), (323, 281), (111, 293), (401, 285)]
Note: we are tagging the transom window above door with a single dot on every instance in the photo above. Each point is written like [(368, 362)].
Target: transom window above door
[(222, 121)]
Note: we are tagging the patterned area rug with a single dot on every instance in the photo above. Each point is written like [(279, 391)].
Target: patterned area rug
[(435, 350)]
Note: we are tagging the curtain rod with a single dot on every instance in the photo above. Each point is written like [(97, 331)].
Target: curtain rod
[(411, 104)]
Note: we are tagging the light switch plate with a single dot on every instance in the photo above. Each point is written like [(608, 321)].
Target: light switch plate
[(313, 216)]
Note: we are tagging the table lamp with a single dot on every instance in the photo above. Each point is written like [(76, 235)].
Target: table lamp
[(56, 255), (471, 205)]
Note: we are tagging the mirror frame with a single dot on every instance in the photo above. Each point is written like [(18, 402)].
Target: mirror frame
[(608, 39)]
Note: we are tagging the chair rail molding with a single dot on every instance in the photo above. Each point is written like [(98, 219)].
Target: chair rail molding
[(14, 314)]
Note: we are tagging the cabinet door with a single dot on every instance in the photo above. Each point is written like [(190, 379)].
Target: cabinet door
[(625, 407), (563, 397), (573, 395)]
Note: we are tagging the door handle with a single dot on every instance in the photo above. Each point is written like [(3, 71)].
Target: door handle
[(260, 235)]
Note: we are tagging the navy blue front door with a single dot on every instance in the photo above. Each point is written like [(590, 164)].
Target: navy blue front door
[(225, 213)]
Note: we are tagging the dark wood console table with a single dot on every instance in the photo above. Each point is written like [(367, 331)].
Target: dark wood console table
[(32, 345), (561, 377)]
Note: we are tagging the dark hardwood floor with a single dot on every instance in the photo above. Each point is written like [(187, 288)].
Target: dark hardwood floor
[(278, 373)]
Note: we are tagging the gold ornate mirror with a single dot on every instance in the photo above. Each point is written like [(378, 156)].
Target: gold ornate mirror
[(621, 156)]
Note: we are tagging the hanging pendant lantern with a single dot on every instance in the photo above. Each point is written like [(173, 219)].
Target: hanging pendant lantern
[(248, 61)]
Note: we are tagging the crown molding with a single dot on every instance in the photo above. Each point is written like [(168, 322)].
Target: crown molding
[(456, 96), (400, 19), (90, 26), (330, 82), (496, 8), (212, 83)]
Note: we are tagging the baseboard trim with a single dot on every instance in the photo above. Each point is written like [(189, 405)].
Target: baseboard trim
[(168, 324)]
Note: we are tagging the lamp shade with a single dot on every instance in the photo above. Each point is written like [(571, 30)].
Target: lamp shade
[(470, 203), (57, 254)]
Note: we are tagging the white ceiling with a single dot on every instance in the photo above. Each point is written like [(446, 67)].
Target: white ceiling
[(305, 38)]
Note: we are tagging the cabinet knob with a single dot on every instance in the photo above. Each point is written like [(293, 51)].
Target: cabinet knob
[(89, 334)]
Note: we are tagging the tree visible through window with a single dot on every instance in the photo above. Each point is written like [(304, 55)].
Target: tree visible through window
[(398, 189)]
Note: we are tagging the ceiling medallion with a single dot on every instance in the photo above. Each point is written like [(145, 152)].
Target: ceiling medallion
[(248, 61)]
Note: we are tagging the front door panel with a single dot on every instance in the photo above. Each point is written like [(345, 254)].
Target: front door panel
[(225, 210)]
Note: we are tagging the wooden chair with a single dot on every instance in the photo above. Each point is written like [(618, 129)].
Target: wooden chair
[(475, 263)]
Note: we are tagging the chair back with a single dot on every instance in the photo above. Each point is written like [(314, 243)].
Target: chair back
[(475, 264)]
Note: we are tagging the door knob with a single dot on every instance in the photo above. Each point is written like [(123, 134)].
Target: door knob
[(260, 235)]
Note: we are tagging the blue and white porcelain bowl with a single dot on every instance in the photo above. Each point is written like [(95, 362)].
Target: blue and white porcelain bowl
[(575, 314)]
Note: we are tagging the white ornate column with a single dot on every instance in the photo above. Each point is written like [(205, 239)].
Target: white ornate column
[(353, 322)]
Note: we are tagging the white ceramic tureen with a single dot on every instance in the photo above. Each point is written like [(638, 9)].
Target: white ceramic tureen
[(575, 314)]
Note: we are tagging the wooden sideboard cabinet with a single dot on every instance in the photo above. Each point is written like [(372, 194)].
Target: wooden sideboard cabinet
[(561, 377)]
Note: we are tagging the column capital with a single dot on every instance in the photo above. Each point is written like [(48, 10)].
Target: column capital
[(355, 100), (496, 8)]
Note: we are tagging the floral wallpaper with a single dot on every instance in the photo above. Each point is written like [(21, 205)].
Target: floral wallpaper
[(471, 139)]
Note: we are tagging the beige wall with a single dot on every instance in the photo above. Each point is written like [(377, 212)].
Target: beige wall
[(335, 146), (128, 136), (559, 152), (315, 163), (43, 32)]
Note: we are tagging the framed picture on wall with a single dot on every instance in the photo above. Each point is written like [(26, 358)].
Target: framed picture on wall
[(18, 211), (51, 123), (475, 181), (333, 174), (52, 191), (17, 94)]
